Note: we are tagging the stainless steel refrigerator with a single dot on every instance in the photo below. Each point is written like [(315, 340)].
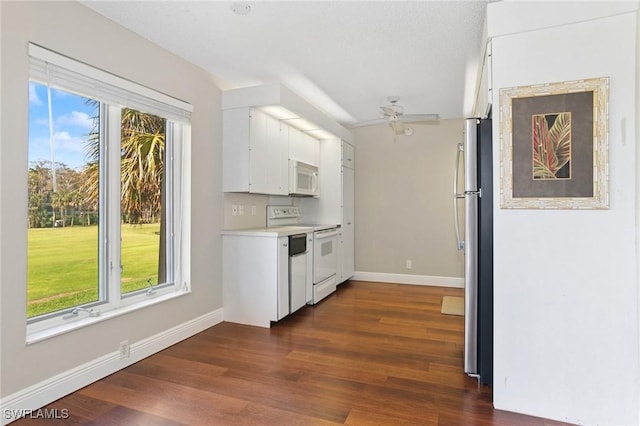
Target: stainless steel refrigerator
[(473, 187)]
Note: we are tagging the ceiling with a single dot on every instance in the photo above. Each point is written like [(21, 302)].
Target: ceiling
[(344, 57)]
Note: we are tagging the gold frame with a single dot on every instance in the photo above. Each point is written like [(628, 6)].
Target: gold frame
[(600, 198)]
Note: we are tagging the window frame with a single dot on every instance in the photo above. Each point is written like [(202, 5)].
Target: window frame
[(112, 302)]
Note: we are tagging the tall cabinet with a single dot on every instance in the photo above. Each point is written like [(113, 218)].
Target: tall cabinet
[(347, 211), (336, 201)]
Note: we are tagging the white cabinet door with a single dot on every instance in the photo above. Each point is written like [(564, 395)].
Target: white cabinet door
[(253, 273), (347, 252), (255, 153), (283, 277), (236, 129), (268, 152), (309, 277), (259, 153), (297, 281), (303, 147)]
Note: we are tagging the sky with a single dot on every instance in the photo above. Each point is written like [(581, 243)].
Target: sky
[(71, 125)]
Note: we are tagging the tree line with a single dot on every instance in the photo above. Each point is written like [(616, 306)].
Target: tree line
[(74, 200)]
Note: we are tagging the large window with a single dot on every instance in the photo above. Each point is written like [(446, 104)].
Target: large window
[(107, 193)]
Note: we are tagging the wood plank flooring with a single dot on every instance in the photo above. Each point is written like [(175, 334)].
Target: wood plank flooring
[(370, 354)]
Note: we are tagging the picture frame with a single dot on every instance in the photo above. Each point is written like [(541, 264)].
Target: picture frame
[(554, 145)]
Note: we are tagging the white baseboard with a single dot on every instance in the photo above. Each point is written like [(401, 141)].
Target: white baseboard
[(47, 391), (409, 279)]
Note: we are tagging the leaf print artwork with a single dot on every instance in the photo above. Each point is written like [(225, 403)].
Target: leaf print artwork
[(551, 146)]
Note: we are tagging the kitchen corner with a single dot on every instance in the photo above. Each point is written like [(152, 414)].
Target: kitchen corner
[(277, 175)]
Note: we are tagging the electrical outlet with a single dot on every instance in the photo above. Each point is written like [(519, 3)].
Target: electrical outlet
[(408, 264), (234, 210), (125, 350), (241, 210)]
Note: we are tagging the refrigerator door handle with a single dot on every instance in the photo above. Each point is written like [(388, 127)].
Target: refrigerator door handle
[(457, 196)]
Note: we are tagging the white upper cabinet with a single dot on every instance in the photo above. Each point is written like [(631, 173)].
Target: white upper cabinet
[(303, 147), (255, 152)]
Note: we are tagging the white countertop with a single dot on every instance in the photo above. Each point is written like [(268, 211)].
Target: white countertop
[(277, 231)]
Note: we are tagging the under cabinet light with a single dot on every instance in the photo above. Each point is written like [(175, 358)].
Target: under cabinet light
[(302, 124), (279, 112), (321, 134), (295, 121)]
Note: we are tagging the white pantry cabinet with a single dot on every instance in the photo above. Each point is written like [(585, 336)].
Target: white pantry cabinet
[(336, 205), (255, 151), (347, 211), (255, 279)]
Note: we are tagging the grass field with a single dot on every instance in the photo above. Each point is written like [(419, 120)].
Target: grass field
[(63, 264)]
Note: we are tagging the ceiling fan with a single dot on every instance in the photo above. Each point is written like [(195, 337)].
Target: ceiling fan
[(395, 116)]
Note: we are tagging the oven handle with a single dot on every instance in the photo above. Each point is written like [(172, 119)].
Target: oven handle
[(319, 235)]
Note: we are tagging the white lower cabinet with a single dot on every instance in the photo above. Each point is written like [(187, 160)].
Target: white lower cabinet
[(255, 279)]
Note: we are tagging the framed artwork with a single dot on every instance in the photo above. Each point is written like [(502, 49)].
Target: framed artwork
[(553, 145)]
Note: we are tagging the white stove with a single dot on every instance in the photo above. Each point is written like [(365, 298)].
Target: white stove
[(291, 217), (322, 281)]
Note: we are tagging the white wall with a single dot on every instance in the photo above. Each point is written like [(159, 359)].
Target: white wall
[(74, 30), (404, 204), (566, 298)]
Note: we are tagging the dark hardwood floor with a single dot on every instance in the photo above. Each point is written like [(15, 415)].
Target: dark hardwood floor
[(370, 354)]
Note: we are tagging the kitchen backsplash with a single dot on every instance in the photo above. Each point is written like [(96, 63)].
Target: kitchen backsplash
[(246, 211)]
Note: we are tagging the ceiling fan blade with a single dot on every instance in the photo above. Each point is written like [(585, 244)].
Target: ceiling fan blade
[(412, 118), (388, 111), (368, 122)]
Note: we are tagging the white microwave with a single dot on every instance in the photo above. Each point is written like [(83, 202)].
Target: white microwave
[(303, 179)]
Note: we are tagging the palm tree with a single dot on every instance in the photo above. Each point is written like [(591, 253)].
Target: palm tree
[(142, 162), (142, 165)]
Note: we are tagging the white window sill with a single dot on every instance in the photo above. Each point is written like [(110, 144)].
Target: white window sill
[(74, 324)]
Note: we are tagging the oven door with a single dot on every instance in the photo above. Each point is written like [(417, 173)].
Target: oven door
[(325, 258)]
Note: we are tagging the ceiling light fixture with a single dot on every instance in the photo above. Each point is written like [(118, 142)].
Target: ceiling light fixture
[(241, 8)]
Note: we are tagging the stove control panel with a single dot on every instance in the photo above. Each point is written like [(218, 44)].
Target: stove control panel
[(283, 215)]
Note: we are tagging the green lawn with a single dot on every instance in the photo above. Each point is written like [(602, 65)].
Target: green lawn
[(63, 264)]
